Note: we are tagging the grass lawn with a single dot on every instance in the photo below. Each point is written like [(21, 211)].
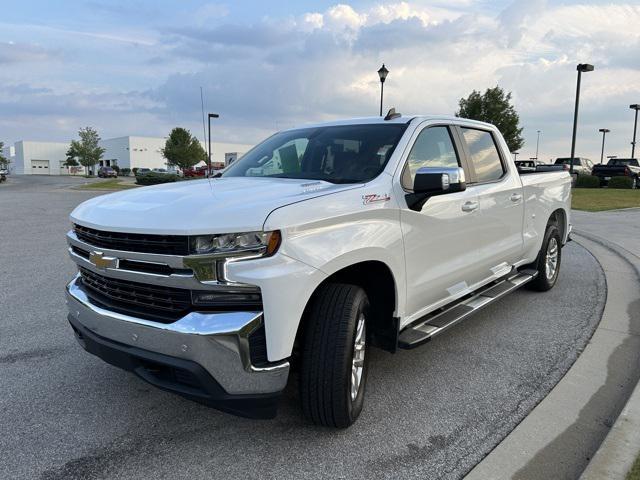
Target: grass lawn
[(634, 473), (113, 184), (598, 199)]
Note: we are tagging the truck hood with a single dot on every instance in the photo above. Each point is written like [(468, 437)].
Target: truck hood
[(222, 205)]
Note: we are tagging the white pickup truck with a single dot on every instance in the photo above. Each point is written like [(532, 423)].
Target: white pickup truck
[(319, 244)]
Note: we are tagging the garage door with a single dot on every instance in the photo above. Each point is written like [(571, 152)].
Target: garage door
[(40, 167)]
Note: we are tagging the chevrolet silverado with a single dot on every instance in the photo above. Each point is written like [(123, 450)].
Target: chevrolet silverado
[(319, 244)]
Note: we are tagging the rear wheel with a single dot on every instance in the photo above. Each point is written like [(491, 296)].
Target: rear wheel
[(548, 262), (334, 366)]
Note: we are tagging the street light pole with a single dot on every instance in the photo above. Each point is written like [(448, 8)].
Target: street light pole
[(604, 133), (537, 145), (211, 115), (582, 67), (382, 73), (635, 107)]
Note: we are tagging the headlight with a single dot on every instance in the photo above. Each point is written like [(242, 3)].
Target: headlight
[(233, 244)]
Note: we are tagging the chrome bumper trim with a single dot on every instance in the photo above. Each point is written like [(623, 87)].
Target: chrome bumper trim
[(216, 341)]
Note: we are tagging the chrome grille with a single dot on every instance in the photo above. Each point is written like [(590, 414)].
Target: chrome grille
[(134, 242)]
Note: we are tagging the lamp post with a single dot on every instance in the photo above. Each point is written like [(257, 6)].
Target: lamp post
[(211, 115), (537, 145), (382, 73), (604, 133), (582, 67), (635, 107)]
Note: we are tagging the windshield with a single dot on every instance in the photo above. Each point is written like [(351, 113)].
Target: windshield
[(567, 161), (336, 154), (621, 162)]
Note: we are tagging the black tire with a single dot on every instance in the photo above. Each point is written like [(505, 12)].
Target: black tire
[(328, 353), (544, 281)]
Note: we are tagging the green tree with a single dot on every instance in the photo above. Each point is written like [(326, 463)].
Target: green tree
[(4, 161), (494, 106), (182, 149), (86, 150)]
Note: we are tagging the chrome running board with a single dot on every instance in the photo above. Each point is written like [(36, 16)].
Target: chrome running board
[(427, 327)]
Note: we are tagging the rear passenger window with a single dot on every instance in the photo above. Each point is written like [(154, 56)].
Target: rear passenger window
[(484, 155), (432, 148)]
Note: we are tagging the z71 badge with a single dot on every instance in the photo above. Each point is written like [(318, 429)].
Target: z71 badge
[(375, 197)]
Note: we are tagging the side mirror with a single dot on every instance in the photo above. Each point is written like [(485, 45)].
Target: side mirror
[(432, 181), (439, 180)]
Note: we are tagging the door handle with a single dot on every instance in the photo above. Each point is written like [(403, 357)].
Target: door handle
[(516, 197), (469, 206)]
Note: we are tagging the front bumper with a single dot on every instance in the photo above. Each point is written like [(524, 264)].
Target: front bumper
[(214, 347)]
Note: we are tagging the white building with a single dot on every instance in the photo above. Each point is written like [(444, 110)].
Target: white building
[(46, 158), (40, 158)]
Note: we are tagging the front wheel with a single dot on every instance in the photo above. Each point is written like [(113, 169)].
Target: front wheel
[(335, 362), (548, 262)]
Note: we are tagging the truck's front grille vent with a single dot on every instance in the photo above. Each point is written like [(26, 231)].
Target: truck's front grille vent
[(134, 242), (159, 303), (154, 302)]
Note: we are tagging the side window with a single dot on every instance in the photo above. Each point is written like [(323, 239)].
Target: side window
[(432, 148), (484, 155)]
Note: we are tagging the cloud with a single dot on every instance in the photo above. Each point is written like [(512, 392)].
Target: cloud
[(12, 52)]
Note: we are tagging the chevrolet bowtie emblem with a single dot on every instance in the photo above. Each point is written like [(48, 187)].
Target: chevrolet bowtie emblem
[(102, 262)]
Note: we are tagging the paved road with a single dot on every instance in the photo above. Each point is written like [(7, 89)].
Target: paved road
[(430, 413), (617, 226)]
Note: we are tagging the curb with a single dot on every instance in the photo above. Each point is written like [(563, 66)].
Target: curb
[(618, 451), (567, 429)]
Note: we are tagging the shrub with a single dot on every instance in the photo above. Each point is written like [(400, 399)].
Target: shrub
[(152, 178), (125, 172), (587, 181), (621, 182), (135, 171), (116, 168)]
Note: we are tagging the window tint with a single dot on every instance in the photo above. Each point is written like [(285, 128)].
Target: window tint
[(484, 154), (433, 148)]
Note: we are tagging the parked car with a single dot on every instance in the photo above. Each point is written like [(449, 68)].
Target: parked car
[(617, 167), (161, 171), (142, 171), (581, 166), (528, 166), (195, 172), (319, 244), (105, 172)]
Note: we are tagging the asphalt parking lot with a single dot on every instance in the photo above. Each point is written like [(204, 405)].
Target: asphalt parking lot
[(433, 412)]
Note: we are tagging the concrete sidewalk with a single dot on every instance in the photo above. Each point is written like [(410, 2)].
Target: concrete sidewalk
[(562, 434)]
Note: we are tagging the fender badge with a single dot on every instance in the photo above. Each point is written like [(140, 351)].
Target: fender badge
[(375, 197)]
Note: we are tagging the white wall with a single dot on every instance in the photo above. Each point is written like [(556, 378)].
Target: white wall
[(117, 151), (26, 151)]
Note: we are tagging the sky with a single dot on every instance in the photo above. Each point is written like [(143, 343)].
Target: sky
[(136, 67)]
